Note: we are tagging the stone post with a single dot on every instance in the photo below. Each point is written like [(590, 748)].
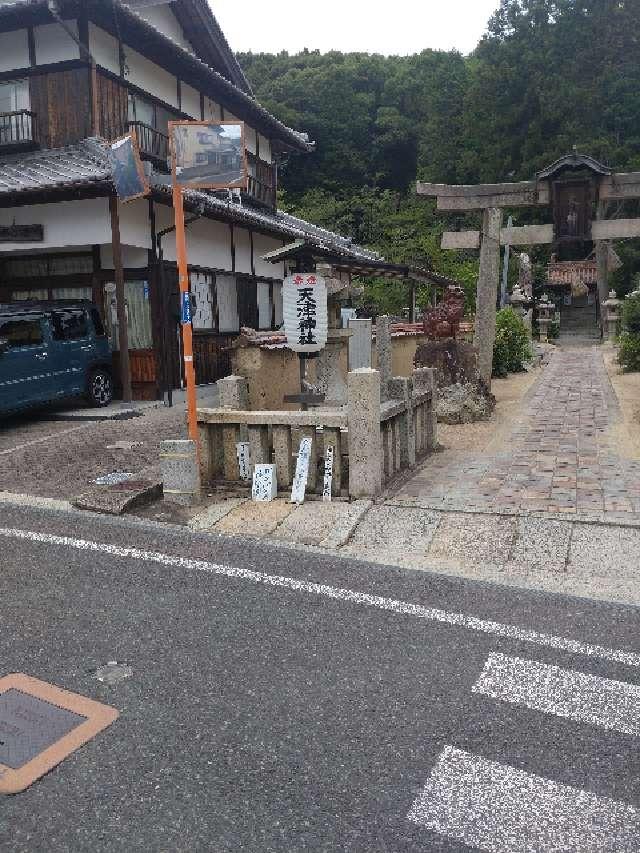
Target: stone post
[(234, 393), (487, 293), (360, 344), (180, 471), (546, 311), (365, 441), (384, 348), (612, 307)]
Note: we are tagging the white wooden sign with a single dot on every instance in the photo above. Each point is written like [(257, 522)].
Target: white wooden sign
[(243, 452), (328, 475), (265, 484), (306, 318), (302, 472)]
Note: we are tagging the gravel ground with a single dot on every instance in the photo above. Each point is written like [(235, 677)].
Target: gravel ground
[(64, 464)]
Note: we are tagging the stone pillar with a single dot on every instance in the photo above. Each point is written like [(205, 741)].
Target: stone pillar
[(360, 344), (331, 368), (384, 348), (283, 456), (180, 472), (426, 379), (365, 441), (612, 307), (546, 311), (234, 393), (487, 293), (401, 388)]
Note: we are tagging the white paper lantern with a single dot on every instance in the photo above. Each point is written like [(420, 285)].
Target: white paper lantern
[(305, 312)]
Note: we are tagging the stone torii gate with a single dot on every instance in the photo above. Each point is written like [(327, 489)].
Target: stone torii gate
[(576, 187)]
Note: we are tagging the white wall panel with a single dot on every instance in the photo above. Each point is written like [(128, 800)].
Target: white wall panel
[(265, 148), (264, 305), (68, 223), (190, 100), (250, 138), (262, 245), (151, 78), (208, 241), (163, 19), (14, 50), (54, 45), (104, 49), (227, 293), (243, 250)]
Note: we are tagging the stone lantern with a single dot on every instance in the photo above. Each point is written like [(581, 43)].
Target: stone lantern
[(520, 303), (546, 315), (612, 306)]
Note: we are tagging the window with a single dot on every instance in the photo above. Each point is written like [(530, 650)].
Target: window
[(22, 333), (69, 325), (14, 96)]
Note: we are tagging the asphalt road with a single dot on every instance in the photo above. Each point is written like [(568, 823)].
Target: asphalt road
[(309, 704)]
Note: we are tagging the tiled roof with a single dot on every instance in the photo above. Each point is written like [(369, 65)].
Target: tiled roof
[(85, 165)]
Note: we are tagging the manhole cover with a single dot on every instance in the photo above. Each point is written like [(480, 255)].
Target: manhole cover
[(28, 725), (40, 725)]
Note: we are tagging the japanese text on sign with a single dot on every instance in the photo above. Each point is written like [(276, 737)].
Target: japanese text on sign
[(302, 472), (305, 312), (328, 475)]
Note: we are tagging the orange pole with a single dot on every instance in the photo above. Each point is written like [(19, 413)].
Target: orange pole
[(187, 328)]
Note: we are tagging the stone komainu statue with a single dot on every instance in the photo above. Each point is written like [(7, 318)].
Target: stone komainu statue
[(444, 320)]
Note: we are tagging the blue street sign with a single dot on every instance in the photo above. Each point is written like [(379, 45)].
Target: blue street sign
[(186, 309)]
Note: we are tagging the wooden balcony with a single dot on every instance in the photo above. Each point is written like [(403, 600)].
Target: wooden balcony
[(154, 145), (261, 182), (18, 131)]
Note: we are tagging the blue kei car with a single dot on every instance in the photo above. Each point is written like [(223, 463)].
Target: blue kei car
[(52, 351)]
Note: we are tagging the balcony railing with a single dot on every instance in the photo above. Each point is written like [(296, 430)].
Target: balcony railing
[(18, 129), (261, 188), (154, 145)]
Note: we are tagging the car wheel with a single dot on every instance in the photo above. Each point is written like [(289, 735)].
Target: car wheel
[(100, 391)]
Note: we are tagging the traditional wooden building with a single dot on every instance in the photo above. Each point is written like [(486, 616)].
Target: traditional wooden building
[(76, 73)]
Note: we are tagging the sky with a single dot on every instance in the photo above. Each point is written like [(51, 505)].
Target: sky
[(392, 27)]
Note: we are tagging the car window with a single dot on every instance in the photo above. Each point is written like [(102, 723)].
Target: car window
[(24, 332), (69, 325)]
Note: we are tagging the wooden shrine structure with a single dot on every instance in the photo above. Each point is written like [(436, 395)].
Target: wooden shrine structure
[(577, 188)]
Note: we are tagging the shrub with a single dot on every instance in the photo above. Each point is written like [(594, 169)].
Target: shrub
[(629, 352), (512, 348), (553, 332), (631, 315)]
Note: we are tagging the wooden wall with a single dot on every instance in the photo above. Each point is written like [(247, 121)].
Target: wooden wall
[(61, 101), (112, 107)]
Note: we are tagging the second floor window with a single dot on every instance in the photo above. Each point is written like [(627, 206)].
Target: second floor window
[(14, 96)]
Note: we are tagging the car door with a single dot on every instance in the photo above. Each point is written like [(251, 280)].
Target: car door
[(72, 349), (25, 374)]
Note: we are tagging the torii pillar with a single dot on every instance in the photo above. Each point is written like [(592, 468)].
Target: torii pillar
[(487, 291)]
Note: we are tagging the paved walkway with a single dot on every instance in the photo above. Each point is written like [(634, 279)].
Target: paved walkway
[(561, 456)]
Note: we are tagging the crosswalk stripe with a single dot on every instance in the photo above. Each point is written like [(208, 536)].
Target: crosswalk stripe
[(499, 809), (613, 705)]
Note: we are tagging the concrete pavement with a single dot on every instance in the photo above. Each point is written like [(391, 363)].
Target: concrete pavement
[(288, 701)]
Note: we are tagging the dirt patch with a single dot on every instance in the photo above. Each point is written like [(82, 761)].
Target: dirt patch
[(626, 432)]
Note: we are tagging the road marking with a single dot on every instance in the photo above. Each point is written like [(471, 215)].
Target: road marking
[(614, 705), (500, 809), (42, 439), (403, 608)]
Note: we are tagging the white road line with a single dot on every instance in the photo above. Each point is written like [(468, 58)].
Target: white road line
[(602, 702), (404, 608), (503, 810), (42, 439)]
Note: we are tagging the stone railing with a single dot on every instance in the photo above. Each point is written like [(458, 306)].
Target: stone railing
[(372, 441)]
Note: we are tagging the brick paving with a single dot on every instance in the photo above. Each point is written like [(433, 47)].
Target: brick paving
[(560, 457)]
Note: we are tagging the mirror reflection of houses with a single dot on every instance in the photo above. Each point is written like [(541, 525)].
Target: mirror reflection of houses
[(75, 75)]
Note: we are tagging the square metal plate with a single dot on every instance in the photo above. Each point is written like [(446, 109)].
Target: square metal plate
[(28, 725), (40, 725)]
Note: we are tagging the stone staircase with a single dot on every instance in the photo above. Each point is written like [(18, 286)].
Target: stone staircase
[(579, 326)]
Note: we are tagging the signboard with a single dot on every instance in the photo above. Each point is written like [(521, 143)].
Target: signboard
[(304, 307), (265, 485), (186, 308), (209, 155), (302, 472), (21, 233), (243, 452), (127, 170), (328, 475)]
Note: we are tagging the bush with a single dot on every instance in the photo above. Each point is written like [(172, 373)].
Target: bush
[(631, 315), (629, 352), (511, 349), (553, 332)]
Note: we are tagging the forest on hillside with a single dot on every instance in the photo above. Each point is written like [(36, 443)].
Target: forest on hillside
[(547, 75)]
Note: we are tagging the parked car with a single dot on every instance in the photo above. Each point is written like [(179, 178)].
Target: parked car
[(53, 351)]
